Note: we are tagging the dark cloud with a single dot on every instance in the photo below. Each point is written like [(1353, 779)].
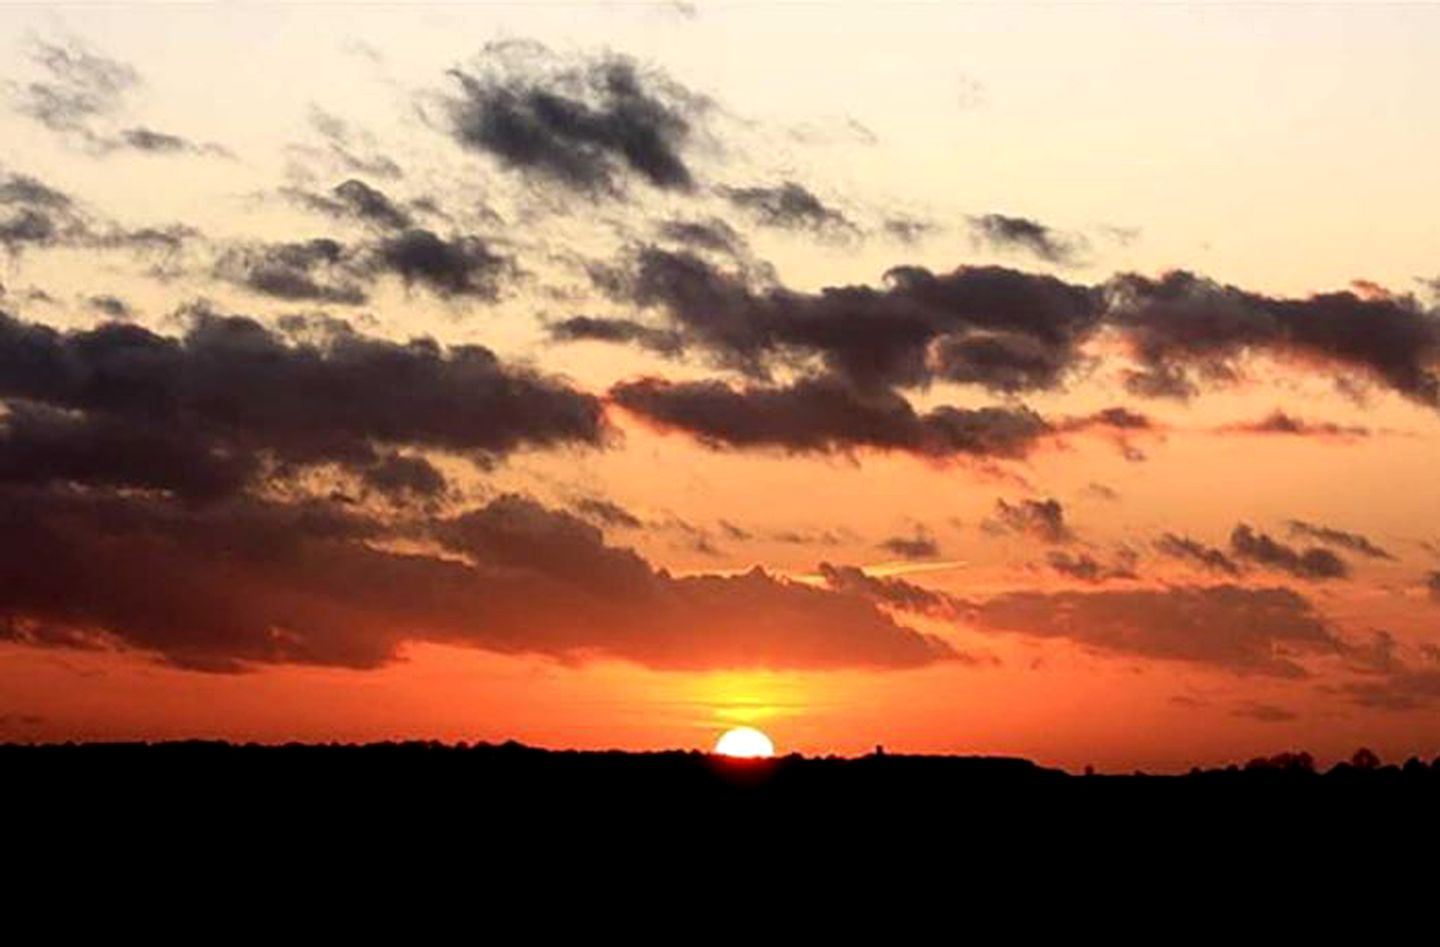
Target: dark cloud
[(1005, 233), (33, 214), (919, 546), (1354, 542), (1263, 713), (149, 140), (355, 199), (893, 592), (79, 86), (908, 229), (822, 415), (1406, 689), (112, 306), (1432, 583), (456, 266), (789, 206), (81, 89), (1312, 563), (990, 326), (205, 413), (402, 477), (1244, 630), (1197, 553), (351, 147), (607, 513), (1086, 568), (1279, 422), (607, 329), (318, 270), (237, 585), (1039, 519), (582, 127), (1013, 331), (1185, 328), (713, 234)]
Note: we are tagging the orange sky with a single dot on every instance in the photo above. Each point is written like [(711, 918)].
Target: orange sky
[(446, 373)]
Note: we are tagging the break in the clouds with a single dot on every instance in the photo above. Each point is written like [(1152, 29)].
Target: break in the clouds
[(585, 126), (236, 585)]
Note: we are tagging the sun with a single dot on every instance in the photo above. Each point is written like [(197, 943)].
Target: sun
[(744, 742)]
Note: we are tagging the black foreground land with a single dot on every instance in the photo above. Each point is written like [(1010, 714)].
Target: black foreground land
[(514, 787)]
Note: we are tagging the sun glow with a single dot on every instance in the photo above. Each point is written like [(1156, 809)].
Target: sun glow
[(744, 742)]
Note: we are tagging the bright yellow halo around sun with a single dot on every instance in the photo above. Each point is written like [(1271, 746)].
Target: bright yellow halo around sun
[(746, 742)]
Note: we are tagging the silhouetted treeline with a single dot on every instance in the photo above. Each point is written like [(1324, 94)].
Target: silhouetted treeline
[(426, 802)]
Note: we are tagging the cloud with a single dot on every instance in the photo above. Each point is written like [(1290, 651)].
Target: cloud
[(462, 265), (789, 206), (318, 270), (1197, 553), (821, 415), (354, 199), (1243, 630), (1263, 713), (1354, 542), (1039, 519), (238, 585), (1183, 326), (606, 329), (1012, 331), (607, 513), (208, 412), (583, 127), (998, 328), (111, 306), (893, 592), (1313, 563), (79, 86), (1086, 568), (919, 546), (1279, 422), (81, 90), (713, 234), (1432, 583), (1004, 232), (35, 214)]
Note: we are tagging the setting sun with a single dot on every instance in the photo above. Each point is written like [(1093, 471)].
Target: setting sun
[(744, 742)]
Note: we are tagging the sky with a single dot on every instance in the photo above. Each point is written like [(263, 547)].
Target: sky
[(1045, 380)]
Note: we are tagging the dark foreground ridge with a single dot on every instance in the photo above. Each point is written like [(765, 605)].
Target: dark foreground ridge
[(506, 807), (178, 776)]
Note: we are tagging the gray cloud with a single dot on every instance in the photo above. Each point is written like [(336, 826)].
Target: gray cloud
[(1243, 630), (1005, 232), (582, 126)]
